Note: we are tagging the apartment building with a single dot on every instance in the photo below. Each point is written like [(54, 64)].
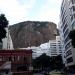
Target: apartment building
[(7, 41), (55, 47), (67, 23)]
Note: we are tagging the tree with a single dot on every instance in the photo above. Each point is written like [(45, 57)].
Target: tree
[(54, 62), (3, 25), (72, 37), (42, 61)]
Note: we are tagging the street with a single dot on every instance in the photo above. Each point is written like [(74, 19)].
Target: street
[(38, 74)]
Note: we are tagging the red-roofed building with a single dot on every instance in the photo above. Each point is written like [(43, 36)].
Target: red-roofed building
[(18, 62)]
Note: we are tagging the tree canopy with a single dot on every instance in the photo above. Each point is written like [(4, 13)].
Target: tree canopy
[(3, 25), (54, 62), (42, 60)]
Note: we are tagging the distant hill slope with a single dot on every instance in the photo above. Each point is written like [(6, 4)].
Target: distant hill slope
[(32, 33)]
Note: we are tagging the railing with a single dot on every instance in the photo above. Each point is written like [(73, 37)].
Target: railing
[(22, 73)]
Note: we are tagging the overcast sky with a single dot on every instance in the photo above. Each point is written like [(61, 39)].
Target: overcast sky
[(34, 10)]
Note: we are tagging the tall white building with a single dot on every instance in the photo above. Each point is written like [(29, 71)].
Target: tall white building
[(67, 23), (62, 43), (7, 41), (55, 47)]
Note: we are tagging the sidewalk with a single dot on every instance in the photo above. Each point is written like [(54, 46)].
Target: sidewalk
[(55, 73)]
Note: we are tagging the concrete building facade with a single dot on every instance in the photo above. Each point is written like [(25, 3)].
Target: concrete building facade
[(67, 23), (7, 41), (55, 47)]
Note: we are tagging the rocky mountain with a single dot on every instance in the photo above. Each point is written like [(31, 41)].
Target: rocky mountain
[(32, 33)]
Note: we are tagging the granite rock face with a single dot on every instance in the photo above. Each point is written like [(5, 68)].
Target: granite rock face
[(32, 33)]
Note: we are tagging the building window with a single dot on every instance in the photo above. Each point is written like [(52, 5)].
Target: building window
[(0, 59), (71, 17), (73, 8), (6, 58), (73, 1), (68, 53), (66, 32), (74, 15), (25, 59), (9, 58), (65, 27), (69, 60), (73, 25), (64, 22), (66, 40), (18, 58), (68, 45), (12, 58)]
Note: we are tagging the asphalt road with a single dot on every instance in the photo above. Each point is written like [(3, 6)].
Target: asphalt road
[(71, 74), (38, 74)]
